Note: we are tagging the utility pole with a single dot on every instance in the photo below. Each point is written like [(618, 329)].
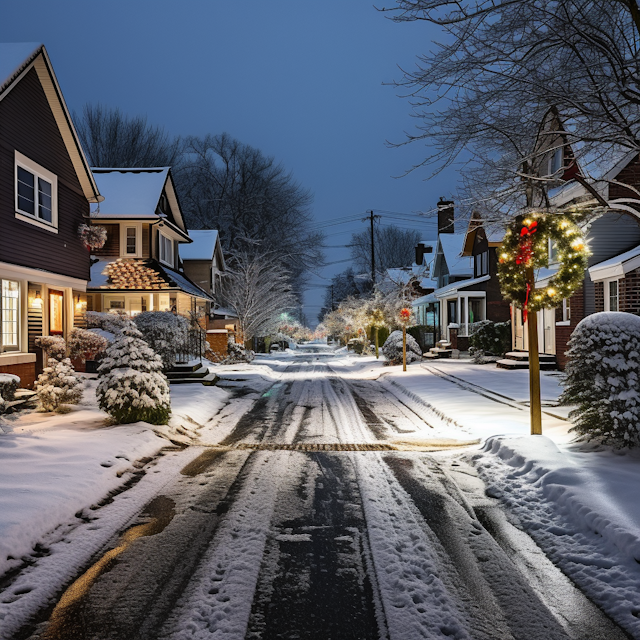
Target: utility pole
[(371, 219)]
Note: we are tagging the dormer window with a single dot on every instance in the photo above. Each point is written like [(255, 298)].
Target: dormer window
[(556, 161), (166, 250)]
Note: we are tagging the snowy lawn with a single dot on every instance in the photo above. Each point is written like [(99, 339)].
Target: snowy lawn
[(55, 465)]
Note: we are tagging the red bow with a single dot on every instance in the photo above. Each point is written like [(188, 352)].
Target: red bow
[(526, 242)]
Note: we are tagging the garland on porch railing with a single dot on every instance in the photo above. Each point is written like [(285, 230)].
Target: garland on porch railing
[(526, 246)]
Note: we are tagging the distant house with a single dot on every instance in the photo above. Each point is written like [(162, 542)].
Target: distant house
[(203, 260), (46, 188), (138, 269)]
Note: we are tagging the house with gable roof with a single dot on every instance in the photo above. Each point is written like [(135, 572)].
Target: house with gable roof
[(585, 177), (139, 268), (46, 188)]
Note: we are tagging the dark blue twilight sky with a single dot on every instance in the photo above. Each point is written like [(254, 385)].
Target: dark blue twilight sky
[(301, 80)]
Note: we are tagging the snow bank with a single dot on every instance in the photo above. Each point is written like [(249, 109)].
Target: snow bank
[(52, 466), (581, 507)]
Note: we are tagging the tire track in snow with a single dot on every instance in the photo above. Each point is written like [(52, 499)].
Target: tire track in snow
[(217, 603)]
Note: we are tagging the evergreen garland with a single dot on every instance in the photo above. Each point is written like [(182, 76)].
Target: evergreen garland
[(526, 244)]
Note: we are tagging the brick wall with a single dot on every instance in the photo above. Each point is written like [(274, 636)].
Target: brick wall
[(25, 371), (563, 333), (218, 343), (599, 295), (629, 292)]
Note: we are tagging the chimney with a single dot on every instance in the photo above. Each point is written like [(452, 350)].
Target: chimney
[(445, 216)]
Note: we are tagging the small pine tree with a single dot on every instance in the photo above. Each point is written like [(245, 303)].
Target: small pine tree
[(131, 384), (602, 378), (58, 385), (392, 349)]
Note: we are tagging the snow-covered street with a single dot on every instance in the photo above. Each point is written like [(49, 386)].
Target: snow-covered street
[(314, 501)]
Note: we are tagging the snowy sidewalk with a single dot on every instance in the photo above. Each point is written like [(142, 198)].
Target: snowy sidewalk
[(578, 501)]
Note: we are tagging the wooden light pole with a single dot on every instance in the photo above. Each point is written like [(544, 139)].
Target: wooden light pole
[(535, 403)]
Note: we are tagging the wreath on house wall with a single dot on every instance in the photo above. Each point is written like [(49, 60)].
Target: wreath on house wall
[(525, 249), (93, 236)]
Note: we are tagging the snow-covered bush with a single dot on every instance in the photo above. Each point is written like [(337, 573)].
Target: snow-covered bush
[(86, 344), (131, 384), (237, 353), (489, 339), (53, 347), (603, 378), (8, 386), (111, 322), (164, 332), (58, 385), (392, 348)]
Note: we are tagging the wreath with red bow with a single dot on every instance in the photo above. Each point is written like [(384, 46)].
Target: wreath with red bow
[(527, 244)]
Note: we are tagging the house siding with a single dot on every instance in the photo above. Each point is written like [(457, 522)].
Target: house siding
[(28, 126), (609, 235), (629, 175), (111, 247), (563, 332)]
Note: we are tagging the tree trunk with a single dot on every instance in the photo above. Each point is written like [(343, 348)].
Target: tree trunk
[(375, 332)]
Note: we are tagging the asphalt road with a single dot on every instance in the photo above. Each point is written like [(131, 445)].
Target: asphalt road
[(304, 524)]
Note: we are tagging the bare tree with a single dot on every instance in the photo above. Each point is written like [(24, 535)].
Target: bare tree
[(344, 285), (394, 247), (258, 289), (112, 139), (252, 200), (502, 67)]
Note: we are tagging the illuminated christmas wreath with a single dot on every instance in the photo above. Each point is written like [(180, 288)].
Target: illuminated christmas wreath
[(526, 245)]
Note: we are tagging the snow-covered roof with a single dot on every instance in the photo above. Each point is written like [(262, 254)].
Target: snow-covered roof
[(452, 244), (451, 289), (617, 266), (130, 193), (203, 246), (600, 165), (223, 311), (14, 57), (135, 274), (428, 299)]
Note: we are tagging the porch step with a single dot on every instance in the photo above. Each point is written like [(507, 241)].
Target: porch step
[(444, 350), (520, 360), (524, 356), (200, 375), (186, 367)]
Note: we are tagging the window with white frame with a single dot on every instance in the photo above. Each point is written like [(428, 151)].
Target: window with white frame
[(166, 250), (36, 193), (611, 295), (566, 312), (131, 240), (10, 309)]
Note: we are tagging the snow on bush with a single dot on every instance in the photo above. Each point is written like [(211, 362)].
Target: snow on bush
[(489, 339), (53, 346), (8, 386), (58, 385), (86, 344), (111, 322), (164, 332), (237, 353), (392, 349), (131, 384), (602, 378)]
